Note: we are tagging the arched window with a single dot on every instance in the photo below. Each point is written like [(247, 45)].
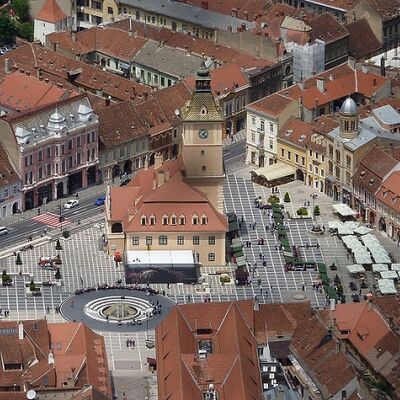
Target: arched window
[(143, 220), (163, 240), (204, 219), (195, 219), (152, 220), (173, 219), (165, 220), (116, 228), (182, 220)]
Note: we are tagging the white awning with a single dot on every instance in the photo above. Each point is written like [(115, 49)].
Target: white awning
[(388, 274), (344, 210), (355, 268), (379, 267), (362, 230), (274, 171), (395, 267), (163, 257), (386, 286)]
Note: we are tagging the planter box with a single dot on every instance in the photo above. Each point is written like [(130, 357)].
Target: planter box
[(9, 283), (36, 293)]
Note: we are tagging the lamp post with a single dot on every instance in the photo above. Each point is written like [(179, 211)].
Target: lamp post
[(314, 196), (60, 218)]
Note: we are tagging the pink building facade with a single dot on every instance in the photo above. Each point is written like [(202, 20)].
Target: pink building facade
[(58, 150)]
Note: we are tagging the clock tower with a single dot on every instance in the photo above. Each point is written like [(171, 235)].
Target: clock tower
[(202, 128)]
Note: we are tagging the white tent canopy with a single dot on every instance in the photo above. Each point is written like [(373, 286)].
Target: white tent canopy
[(389, 274), (362, 230), (355, 269), (344, 210), (274, 171), (395, 267), (156, 257), (379, 267), (386, 286)]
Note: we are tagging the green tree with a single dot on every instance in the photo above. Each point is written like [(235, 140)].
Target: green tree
[(25, 30), (286, 199), (18, 260), (22, 10), (317, 211), (57, 275), (58, 245), (7, 29), (32, 286)]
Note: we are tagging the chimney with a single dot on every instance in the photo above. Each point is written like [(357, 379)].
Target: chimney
[(20, 331), (59, 85), (39, 73), (321, 84), (7, 66), (160, 178), (280, 393), (166, 175), (204, 5), (374, 82), (246, 15), (108, 101), (256, 305), (300, 84), (301, 108), (383, 67), (158, 160), (351, 62), (73, 35), (234, 12), (54, 46)]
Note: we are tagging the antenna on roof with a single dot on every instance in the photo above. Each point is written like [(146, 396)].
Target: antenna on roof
[(208, 62)]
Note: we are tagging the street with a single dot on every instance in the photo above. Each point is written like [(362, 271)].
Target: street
[(19, 232)]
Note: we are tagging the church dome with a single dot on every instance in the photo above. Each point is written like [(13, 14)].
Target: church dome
[(349, 107)]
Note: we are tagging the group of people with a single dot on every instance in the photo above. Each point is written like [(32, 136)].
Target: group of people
[(130, 343), (6, 313)]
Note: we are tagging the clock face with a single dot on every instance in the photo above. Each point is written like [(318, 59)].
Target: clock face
[(203, 133)]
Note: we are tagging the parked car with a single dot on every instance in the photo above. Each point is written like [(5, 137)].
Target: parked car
[(353, 286), (100, 201), (3, 230), (71, 203)]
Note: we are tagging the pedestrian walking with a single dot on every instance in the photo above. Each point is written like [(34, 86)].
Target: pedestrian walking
[(259, 281), (261, 256), (45, 231)]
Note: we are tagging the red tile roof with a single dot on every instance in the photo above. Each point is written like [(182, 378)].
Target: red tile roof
[(327, 28), (389, 192), (387, 9), (232, 368), (174, 197), (83, 352), (50, 12), (318, 353), (372, 169), (340, 81), (76, 72), (273, 104), (272, 320), (296, 132), (19, 91), (362, 40)]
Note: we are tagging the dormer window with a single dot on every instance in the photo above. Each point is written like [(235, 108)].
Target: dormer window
[(143, 220), (204, 111), (173, 219), (204, 219), (195, 220), (165, 220), (152, 220), (385, 193), (182, 220), (371, 181), (362, 174)]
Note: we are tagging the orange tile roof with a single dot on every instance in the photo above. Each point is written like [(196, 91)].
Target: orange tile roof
[(224, 79), (233, 365), (50, 12), (19, 91), (296, 132), (174, 197), (273, 104), (273, 320), (389, 192), (362, 40), (318, 353), (83, 352), (327, 28), (340, 81)]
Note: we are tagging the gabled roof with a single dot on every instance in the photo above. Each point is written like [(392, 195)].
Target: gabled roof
[(50, 12), (296, 132), (372, 169), (272, 105), (327, 28), (19, 91), (317, 351), (389, 191), (232, 367), (362, 40)]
